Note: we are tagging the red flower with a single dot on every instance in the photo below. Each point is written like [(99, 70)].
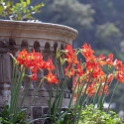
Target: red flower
[(110, 59), (34, 59), (34, 77), (22, 57), (75, 97), (79, 70), (87, 52), (105, 88), (51, 78), (118, 64), (69, 71), (91, 89), (70, 55), (30, 60), (97, 72), (49, 65), (33, 69), (102, 60), (71, 59), (69, 50), (110, 78), (120, 75), (90, 65), (42, 64)]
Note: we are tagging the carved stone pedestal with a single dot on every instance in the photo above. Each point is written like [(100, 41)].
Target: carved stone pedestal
[(43, 37)]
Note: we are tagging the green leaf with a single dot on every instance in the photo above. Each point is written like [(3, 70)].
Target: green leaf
[(29, 16), (21, 1), (38, 6), (28, 2), (24, 4), (9, 3), (1, 9), (24, 11)]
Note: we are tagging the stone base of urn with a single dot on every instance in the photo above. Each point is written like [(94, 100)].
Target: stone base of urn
[(43, 37)]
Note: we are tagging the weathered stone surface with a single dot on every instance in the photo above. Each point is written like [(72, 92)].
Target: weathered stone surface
[(41, 32)]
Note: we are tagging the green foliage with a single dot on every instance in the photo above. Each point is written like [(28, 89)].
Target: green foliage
[(91, 115), (63, 117), (5, 117), (18, 11), (108, 32)]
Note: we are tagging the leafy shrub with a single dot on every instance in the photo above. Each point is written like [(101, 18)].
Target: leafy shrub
[(91, 115), (18, 11), (5, 117)]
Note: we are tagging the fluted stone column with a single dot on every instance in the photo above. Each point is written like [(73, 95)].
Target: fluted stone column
[(5, 73)]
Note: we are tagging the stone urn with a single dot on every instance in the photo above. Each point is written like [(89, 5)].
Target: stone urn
[(42, 37)]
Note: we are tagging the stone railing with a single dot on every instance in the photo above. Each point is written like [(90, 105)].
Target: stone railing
[(43, 37)]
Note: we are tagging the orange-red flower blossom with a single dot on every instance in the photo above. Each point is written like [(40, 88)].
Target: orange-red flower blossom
[(87, 52), (110, 78), (110, 59), (34, 77), (97, 72), (22, 57), (91, 89), (71, 59), (68, 49), (118, 64), (49, 65), (104, 89), (51, 78), (120, 75), (102, 60), (69, 71), (79, 70)]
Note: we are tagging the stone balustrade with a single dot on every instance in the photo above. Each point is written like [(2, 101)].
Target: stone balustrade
[(43, 37)]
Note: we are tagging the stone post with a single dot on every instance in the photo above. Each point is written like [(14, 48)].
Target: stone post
[(5, 73)]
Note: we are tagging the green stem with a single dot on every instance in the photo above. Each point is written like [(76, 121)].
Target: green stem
[(79, 96), (27, 88), (96, 94), (12, 86), (14, 92), (36, 92), (84, 96), (59, 103), (100, 102), (112, 95), (85, 100), (17, 92), (70, 102), (57, 91), (49, 101), (78, 99)]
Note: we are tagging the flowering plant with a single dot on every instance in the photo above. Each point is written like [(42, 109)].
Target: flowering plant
[(90, 83), (33, 61)]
